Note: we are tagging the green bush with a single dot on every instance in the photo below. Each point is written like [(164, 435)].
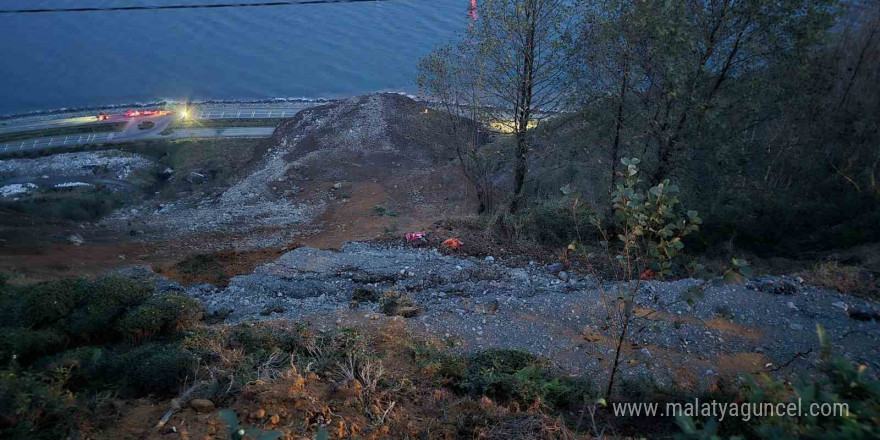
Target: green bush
[(25, 345), (841, 382), (260, 339), (88, 366), (449, 369), (513, 375), (34, 409), (153, 368), (197, 263), (50, 304), (551, 224), (160, 315), (108, 299), (82, 309)]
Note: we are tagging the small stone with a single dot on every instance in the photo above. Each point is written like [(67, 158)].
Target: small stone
[(202, 405), (791, 306), (490, 258), (337, 185), (840, 305), (555, 268), (797, 327), (75, 239), (563, 275)]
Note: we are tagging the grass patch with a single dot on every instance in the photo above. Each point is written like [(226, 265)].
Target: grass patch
[(78, 205), (381, 211), (843, 278)]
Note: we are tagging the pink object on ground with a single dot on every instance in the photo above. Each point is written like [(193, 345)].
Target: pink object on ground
[(414, 236)]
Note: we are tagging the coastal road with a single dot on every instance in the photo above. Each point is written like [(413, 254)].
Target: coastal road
[(132, 133), (52, 123), (107, 138), (207, 113)]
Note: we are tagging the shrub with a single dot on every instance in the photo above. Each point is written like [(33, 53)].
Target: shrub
[(260, 339), (108, 299), (88, 367), (393, 303), (552, 224), (364, 294), (33, 409), (845, 279), (841, 382), (50, 304), (154, 367), (25, 345), (513, 375), (450, 370), (160, 315), (272, 308), (196, 264)]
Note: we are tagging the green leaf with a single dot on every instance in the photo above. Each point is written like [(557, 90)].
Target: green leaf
[(733, 277), (231, 418), (322, 434)]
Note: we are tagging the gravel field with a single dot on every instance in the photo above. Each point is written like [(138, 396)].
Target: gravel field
[(484, 304), (113, 163)]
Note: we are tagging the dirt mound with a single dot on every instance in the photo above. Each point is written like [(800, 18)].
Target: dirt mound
[(353, 139), (352, 169)]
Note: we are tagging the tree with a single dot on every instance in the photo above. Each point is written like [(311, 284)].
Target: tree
[(450, 79), (518, 49), (674, 67)]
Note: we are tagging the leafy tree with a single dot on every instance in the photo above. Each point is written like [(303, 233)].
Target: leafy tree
[(510, 65)]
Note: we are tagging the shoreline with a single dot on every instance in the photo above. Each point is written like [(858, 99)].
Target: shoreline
[(74, 111), (278, 101)]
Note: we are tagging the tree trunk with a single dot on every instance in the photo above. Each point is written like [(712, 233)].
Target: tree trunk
[(618, 126), (523, 111), (519, 172)]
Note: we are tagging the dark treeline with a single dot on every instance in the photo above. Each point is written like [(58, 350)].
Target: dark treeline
[(764, 112)]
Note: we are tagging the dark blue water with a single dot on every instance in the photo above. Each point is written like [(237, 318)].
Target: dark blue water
[(84, 59)]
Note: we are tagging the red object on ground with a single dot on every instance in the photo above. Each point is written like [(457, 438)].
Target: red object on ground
[(416, 236), (648, 274), (452, 243)]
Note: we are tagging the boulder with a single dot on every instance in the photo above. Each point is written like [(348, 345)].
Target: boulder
[(202, 406)]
